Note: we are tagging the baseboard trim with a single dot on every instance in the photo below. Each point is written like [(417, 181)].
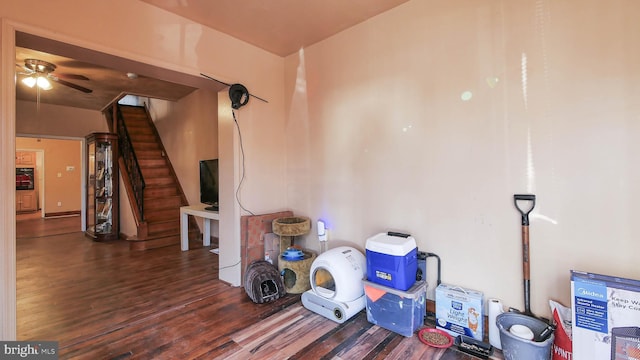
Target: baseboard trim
[(62, 214)]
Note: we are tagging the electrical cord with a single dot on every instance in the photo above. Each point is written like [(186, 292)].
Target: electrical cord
[(246, 247), (230, 266), (243, 167)]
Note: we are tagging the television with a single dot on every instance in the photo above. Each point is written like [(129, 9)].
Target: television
[(209, 183)]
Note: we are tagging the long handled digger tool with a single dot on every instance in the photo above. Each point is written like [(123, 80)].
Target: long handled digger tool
[(524, 211), (531, 199)]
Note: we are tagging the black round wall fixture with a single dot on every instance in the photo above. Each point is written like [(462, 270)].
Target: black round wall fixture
[(239, 96)]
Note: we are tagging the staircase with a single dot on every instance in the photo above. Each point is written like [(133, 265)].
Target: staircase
[(152, 187)]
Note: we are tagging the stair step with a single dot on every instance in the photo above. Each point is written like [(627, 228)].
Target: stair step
[(151, 215), (163, 228), (138, 127), (165, 202), (141, 146), (134, 122), (150, 172), (141, 133), (150, 163), (151, 154), (132, 110), (159, 181), (138, 122), (138, 137), (154, 192)]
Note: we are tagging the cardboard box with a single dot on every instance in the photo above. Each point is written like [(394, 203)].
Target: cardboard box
[(459, 311), (392, 260), (399, 311), (606, 317)]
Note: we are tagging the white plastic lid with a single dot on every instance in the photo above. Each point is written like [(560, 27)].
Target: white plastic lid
[(391, 245), (521, 331)]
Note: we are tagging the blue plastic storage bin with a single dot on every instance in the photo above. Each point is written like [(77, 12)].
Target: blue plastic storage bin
[(399, 311)]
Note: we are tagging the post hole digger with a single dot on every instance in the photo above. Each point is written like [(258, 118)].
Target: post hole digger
[(521, 201)]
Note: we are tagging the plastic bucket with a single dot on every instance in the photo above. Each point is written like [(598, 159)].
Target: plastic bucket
[(517, 348)]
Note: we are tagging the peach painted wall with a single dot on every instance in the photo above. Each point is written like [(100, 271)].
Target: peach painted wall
[(429, 118), (62, 172), (55, 120)]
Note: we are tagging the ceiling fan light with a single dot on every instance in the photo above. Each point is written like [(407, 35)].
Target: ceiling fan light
[(43, 83), (30, 81)]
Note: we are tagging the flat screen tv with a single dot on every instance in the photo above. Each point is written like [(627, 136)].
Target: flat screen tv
[(209, 183)]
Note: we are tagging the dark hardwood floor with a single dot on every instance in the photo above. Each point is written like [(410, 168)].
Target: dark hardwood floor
[(103, 301)]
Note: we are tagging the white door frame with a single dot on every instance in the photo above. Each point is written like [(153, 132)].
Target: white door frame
[(7, 190)]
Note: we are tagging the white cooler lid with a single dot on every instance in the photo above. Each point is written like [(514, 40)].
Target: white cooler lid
[(391, 245)]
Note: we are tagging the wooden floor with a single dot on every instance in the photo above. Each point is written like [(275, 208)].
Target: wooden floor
[(102, 301)]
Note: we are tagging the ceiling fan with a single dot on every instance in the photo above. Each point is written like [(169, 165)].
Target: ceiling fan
[(39, 72)]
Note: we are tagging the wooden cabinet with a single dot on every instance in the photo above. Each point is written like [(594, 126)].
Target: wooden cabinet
[(25, 158), (102, 186), (26, 200)]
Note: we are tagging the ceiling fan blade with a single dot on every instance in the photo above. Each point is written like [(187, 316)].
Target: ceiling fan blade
[(71, 85), (26, 69), (71, 76)]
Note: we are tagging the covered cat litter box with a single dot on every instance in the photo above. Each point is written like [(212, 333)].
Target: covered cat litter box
[(336, 278)]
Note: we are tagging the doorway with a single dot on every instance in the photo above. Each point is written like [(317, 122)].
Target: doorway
[(59, 180)]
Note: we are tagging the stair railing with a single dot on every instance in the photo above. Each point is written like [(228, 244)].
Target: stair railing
[(131, 162)]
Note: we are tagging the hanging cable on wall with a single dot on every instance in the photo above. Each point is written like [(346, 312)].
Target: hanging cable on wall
[(242, 162)]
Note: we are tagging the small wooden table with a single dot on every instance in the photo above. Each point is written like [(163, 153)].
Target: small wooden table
[(206, 215)]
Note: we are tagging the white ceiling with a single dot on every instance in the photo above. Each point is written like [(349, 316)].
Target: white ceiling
[(278, 26)]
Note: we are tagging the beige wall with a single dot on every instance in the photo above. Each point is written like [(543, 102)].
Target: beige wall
[(381, 135), (62, 172), (55, 120)]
